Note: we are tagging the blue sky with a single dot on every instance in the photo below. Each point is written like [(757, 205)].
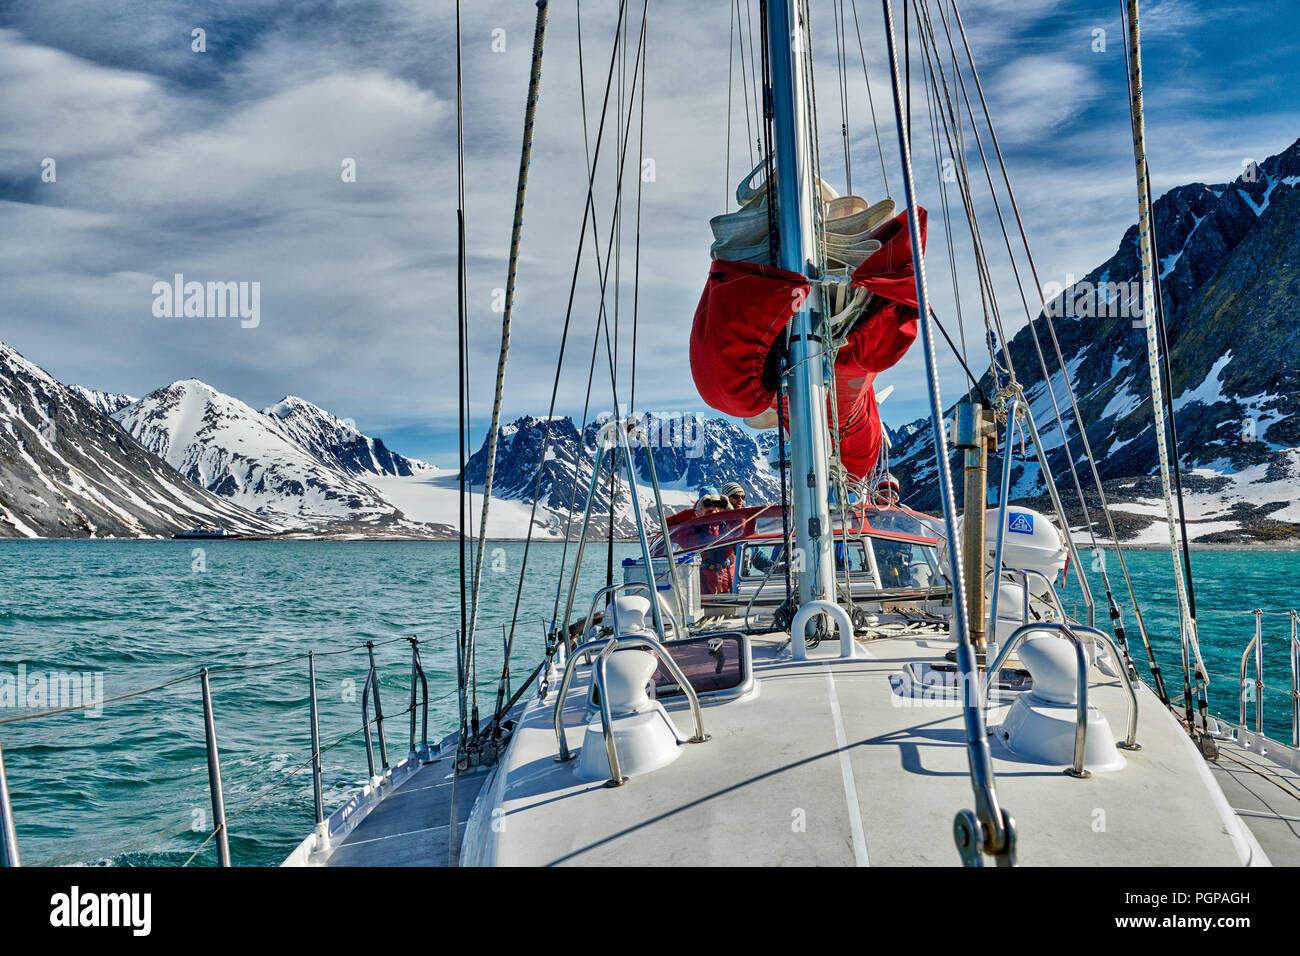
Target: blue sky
[(224, 165)]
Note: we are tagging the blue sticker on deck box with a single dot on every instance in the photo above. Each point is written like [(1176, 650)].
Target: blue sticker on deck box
[(1021, 523)]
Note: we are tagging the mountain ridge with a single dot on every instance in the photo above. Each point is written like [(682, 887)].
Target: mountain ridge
[(1231, 277)]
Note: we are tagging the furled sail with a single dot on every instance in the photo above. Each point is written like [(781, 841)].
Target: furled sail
[(746, 305)]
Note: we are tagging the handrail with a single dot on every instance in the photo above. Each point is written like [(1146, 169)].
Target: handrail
[(1024, 575), (629, 586), (616, 778), (1081, 694), (1294, 655), (606, 646), (9, 855), (1112, 646), (372, 683), (417, 672), (1257, 645), (214, 775), (317, 788)]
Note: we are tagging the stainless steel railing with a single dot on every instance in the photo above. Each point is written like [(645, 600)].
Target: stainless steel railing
[(606, 647), (1294, 656), (611, 589), (1257, 645), (9, 851), (1024, 574), (1081, 687)]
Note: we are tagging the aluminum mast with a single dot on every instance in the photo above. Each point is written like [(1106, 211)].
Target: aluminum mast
[(796, 191)]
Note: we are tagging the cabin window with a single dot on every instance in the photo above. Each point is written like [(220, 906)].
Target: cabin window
[(759, 559), (906, 564), (854, 553)]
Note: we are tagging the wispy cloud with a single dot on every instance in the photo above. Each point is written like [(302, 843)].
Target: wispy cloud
[(226, 165)]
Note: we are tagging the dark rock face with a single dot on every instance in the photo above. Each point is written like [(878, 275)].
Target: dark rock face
[(68, 470), (1229, 256), (690, 452), (336, 442)]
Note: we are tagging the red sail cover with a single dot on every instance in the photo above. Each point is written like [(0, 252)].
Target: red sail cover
[(745, 308)]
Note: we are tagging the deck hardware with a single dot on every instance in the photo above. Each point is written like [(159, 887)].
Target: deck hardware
[(214, 774), (379, 710), (605, 647), (799, 651), (616, 778), (1077, 769), (613, 589), (1004, 499)]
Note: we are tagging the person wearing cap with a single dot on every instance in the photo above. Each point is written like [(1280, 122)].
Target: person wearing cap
[(717, 565), (734, 494), (886, 493)]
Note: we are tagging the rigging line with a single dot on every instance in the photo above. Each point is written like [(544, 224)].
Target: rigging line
[(758, 88), (997, 832), (624, 134), (588, 214), (947, 221), (636, 267), (925, 25), (460, 340), (1056, 345), (773, 244), (516, 231), (1145, 230), (841, 64), (564, 338), (880, 149), (744, 88), (1164, 358), (731, 51), (1169, 406), (595, 343), (988, 295)]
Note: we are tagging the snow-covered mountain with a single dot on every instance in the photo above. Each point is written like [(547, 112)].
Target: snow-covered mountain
[(1230, 269), (106, 402), (68, 470), (337, 442), (690, 452), (255, 459)]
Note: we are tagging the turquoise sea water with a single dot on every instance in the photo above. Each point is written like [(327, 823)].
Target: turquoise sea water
[(130, 786)]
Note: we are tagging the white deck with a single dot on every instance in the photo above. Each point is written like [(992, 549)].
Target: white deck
[(822, 765)]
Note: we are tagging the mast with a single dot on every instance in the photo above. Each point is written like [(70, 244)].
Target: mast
[(793, 193)]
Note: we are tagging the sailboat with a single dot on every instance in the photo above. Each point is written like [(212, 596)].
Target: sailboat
[(899, 688)]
